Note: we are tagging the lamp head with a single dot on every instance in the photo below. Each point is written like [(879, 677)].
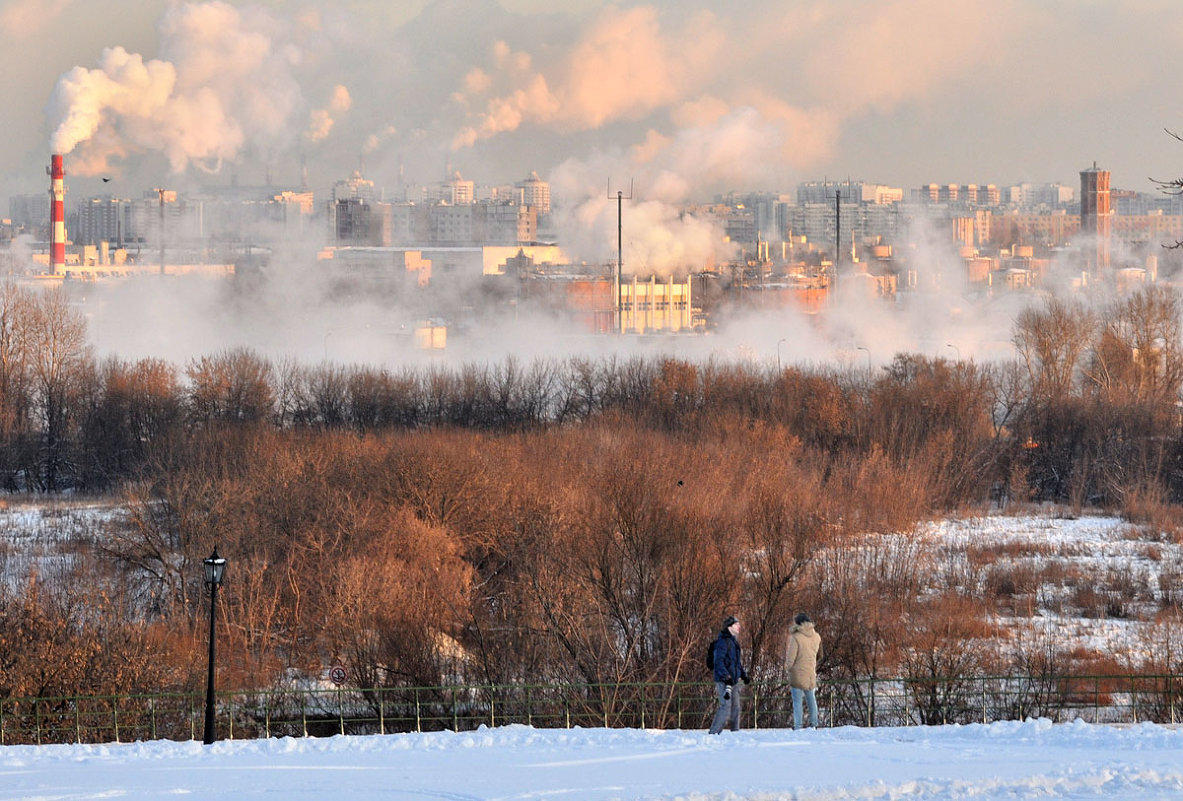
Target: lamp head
[(215, 566)]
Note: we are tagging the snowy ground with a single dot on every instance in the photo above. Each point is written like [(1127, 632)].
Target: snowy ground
[(1034, 759), (1077, 570)]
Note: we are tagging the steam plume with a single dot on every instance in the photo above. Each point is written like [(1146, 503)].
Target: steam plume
[(224, 80)]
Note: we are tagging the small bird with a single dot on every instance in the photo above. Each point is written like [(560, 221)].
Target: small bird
[(106, 179)]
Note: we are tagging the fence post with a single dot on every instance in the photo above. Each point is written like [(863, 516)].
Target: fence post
[(418, 713), (871, 706), (78, 721), (340, 711), (37, 718), (381, 711)]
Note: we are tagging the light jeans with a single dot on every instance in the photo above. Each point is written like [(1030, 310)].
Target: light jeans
[(811, 698), (728, 711)]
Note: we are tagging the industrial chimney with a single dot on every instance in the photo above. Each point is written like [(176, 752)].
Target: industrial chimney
[(57, 215)]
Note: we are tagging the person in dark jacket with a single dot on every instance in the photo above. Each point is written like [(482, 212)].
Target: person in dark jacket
[(729, 672)]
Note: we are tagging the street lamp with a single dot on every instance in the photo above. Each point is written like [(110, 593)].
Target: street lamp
[(215, 566), (782, 339), (868, 352), (956, 349)]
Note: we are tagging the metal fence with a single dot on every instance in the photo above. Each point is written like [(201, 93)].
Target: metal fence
[(323, 712)]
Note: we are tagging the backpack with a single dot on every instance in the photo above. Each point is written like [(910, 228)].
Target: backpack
[(710, 660)]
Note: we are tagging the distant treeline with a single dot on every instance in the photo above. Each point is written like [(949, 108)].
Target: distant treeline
[(1089, 412), (581, 520)]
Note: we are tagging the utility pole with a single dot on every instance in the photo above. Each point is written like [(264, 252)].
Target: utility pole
[(620, 198), (160, 193), (837, 228)]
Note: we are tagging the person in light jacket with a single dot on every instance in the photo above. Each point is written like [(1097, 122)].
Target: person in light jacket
[(729, 672), (805, 649)]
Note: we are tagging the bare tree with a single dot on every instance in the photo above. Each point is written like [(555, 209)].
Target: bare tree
[(16, 393), (1139, 356), (233, 386), (59, 353), (1052, 342)]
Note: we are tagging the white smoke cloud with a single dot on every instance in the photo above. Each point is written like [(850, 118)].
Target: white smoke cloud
[(321, 120), (658, 236), (225, 79), (622, 67)]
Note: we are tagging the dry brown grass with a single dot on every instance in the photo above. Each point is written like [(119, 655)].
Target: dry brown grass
[(1011, 549)]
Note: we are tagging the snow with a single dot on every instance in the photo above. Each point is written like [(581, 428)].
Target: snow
[(1103, 553), (1031, 759)]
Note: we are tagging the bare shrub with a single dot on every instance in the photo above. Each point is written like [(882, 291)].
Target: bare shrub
[(1170, 584), (1043, 662), (232, 386), (947, 647), (1150, 505), (395, 598), (1006, 581), (863, 589)]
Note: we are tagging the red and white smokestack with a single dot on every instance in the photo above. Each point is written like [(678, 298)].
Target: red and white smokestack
[(57, 215)]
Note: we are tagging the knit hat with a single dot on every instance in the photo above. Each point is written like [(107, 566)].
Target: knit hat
[(802, 618), (730, 621)]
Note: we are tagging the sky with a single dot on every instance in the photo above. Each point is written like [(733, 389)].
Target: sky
[(1009, 760), (682, 97)]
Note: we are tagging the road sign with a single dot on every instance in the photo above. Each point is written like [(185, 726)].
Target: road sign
[(338, 674)]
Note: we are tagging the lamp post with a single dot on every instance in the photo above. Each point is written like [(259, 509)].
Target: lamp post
[(868, 352), (215, 566), (956, 349), (782, 339)]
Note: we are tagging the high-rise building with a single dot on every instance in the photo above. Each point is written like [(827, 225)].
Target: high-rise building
[(459, 191), (1095, 216), (534, 192), (355, 188), (30, 212), (105, 219)]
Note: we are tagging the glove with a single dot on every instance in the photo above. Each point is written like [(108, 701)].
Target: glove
[(727, 693), (746, 678), (730, 681)]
